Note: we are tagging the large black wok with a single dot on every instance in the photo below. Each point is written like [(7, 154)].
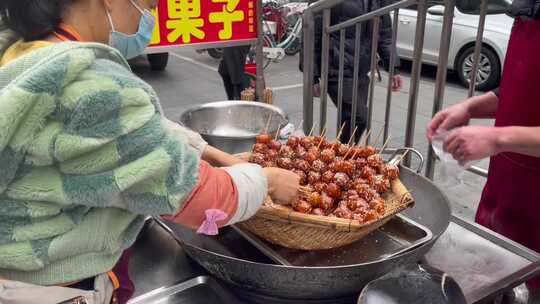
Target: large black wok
[(253, 273)]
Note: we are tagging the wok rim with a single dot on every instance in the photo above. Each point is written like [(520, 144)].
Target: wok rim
[(397, 257), (220, 104)]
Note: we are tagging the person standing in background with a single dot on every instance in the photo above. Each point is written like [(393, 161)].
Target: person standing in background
[(231, 70)]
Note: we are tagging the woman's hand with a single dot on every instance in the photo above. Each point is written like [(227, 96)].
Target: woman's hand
[(455, 116), (472, 143), (283, 185)]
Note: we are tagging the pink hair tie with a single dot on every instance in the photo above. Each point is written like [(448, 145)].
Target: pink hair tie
[(209, 226)]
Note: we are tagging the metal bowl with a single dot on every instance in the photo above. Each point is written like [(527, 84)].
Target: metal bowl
[(232, 126)]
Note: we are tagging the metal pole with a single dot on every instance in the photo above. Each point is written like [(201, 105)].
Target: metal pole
[(259, 56), (440, 81), (391, 73), (374, 44), (354, 105), (415, 76), (478, 47), (340, 77), (308, 46), (324, 68)]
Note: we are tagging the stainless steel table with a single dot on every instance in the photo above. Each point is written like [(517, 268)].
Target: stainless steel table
[(483, 263)]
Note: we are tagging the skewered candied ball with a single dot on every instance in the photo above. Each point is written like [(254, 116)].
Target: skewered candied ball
[(286, 151), (293, 141), (357, 203), (390, 171), (274, 145), (302, 175), (314, 199), (341, 179), (301, 206), (317, 211), (272, 154), (327, 202), (378, 205), (268, 163), (260, 148), (320, 187), (313, 177), (335, 165), (310, 157), (342, 149), (307, 142), (380, 183), (360, 163), (348, 167), (320, 141), (333, 190), (257, 158), (342, 204), (375, 160), (328, 155), (371, 215), (285, 163), (318, 165), (301, 164), (366, 152), (343, 213), (333, 145), (263, 138), (300, 151), (367, 173), (364, 191), (360, 215), (328, 176)]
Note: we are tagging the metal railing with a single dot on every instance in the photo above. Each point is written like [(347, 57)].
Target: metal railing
[(324, 7)]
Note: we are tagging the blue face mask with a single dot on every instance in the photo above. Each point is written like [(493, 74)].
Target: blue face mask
[(133, 45)]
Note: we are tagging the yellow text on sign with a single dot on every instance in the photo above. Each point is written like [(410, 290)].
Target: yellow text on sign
[(227, 16), (184, 20)]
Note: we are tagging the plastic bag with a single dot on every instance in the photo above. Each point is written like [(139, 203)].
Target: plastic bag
[(451, 172)]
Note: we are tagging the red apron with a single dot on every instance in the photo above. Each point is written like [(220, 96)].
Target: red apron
[(510, 203)]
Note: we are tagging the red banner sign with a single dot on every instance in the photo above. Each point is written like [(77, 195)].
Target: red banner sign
[(183, 22)]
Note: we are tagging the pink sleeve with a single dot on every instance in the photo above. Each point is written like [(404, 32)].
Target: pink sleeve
[(215, 191)]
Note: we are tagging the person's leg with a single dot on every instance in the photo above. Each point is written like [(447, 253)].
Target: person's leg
[(223, 72)]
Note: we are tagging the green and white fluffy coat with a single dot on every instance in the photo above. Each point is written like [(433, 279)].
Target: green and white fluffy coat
[(84, 155)]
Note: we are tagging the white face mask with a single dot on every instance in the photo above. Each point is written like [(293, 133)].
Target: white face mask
[(131, 46)]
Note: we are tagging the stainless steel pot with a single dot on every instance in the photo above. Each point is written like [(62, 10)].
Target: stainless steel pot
[(230, 264), (233, 125)]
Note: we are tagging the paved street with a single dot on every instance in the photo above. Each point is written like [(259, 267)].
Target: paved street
[(192, 79)]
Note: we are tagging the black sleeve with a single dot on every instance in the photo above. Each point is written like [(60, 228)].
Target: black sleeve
[(385, 43), (496, 92)]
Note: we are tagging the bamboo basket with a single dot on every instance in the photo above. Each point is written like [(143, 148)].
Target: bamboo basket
[(283, 226)]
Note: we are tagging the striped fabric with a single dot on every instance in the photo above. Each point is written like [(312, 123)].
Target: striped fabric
[(84, 154)]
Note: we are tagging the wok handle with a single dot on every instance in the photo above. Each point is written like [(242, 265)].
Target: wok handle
[(397, 156)]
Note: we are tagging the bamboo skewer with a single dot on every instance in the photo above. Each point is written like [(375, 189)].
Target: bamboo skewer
[(323, 134), (366, 138), (402, 156), (339, 134), (384, 146), (311, 131), (351, 140), (265, 131), (277, 133), (379, 136)]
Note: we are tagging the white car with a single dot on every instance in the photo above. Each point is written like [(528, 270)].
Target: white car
[(495, 40)]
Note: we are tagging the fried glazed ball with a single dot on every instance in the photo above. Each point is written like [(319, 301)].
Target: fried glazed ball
[(293, 141), (328, 176), (327, 202), (317, 211), (302, 206), (272, 154), (285, 163), (341, 179), (286, 151), (314, 199), (320, 187), (390, 171), (260, 148), (302, 175), (274, 145), (263, 138), (342, 149), (357, 204), (313, 177), (333, 190), (257, 158), (348, 167), (307, 142), (318, 166), (328, 155), (344, 213), (375, 160), (300, 152), (380, 183), (310, 157), (366, 152), (301, 164), (378, 205)]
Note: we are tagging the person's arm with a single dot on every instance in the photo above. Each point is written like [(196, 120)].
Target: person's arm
[(219, 158), (483, 106), (522, 140), (384, 46)]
